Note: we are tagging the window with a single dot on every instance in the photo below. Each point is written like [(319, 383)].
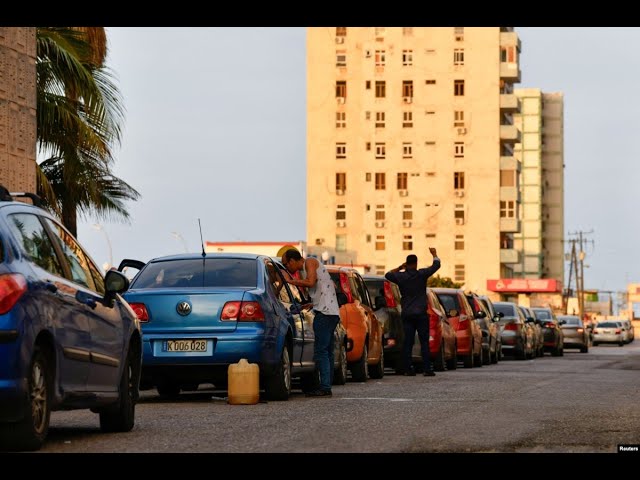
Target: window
[(380, 58), (458, 56), (458, 88), (507, 209), (430, 82), (402, 180), (341, 89), (458, 118), (367, 146), (407, 213), (407, 31), (430, 235), (380, 32), (407, 150), (508, 54), (459, 243), (380, 181), (381, 151), (341, 150), (507, 178), (75, 257), (458, 214), (380, 244), (341, 212), (458, 33), (341, 31), (341, 181), (380, 119), (458, 149), (341, 242), (35, 242), (407, 58), (506, 240), (381, 89), (367, 177), (380, 213), (367, 84), (458, 273), (458, 180), (341, 58), (407, 242), (407, 119), (341, 119), (368, 238), (407, 88)]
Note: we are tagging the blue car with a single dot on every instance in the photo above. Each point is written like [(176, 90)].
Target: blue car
[(67, 339), (202, 312)]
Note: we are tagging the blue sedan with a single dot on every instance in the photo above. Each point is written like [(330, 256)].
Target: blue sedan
[(202, 312)]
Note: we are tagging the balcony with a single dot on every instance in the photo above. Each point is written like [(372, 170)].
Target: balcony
[(509, 225), (509, 39), (509, 103), (510, 193), (510, 163), (509, 255), (510, 71), (509, 134)]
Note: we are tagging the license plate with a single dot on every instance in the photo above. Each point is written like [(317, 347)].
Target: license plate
[(606, 331), (184, 346)]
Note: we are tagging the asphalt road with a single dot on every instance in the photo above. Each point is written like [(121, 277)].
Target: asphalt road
[(576, 403)]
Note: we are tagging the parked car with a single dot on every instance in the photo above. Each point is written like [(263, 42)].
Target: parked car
[(461, 317), (442, 338), (575, 334), (608, 332), (536, 329), (516, 338), (486, 301), (387, 309), (201, 313), (67, 338), (364, 331), (489, 327), (551, 331), (627, 327)]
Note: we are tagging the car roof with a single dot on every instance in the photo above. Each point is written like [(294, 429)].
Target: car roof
[(192, 256), (374, 277)]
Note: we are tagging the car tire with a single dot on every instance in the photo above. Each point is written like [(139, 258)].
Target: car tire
[(340, 373), (467, 361), (278, 385), (439, 361), (31, 432), (120, 417), (584, 349), (377, 371), (360, 369), (168, 389)]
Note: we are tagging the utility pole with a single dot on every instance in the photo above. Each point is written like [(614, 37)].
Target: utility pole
[(580, 270), (567, 293)]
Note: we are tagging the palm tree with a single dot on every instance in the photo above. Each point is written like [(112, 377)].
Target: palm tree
[(79, 117)]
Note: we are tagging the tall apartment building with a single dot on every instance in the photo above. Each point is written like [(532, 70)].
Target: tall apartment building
[(410, 142), (541, 153)]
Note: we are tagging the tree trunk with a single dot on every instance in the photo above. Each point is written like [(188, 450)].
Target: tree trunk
[(69, 218)]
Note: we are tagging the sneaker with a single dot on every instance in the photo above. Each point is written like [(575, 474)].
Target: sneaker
[(319, 393), (410, 373), (429, 373)]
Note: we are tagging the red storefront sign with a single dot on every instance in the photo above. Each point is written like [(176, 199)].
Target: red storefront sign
[(524, 285)]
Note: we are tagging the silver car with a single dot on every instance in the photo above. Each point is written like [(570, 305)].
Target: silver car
[(608, 332), (575, 333)]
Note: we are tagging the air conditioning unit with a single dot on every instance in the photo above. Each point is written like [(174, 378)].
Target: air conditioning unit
[(339, 192), (459, 221), (459, 193), (339, 39), (341, 223), (367, 54), (462, 131), (407, 99), (459, 38), (341, 100), (379, 224), (319, 241), (403, 193), (406, 223)]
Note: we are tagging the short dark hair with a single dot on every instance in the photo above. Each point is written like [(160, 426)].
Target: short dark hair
[(292, 254), (412, 260)]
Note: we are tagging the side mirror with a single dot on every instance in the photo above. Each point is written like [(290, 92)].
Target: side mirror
[(499, 314), (380, 302), (561, 322), (114, 282), (529, 320), (481, 314), (453, 312), (342, 298)]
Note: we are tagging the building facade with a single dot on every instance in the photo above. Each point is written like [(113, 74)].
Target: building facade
[(18, 108), (410, 145)]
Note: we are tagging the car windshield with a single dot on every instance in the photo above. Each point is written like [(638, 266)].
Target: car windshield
[(194, 273), (506, 309), (542, 314), (608, 325), (570, 320)]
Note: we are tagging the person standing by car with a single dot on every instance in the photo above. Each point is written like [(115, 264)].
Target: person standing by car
[(413, 288), (327, 312)]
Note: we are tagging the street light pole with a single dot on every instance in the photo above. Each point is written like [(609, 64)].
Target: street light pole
[(181, 238), (99, 227)]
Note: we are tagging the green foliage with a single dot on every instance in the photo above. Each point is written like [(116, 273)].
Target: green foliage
[(442, 282)]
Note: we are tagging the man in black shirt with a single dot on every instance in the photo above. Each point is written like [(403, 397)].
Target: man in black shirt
[(415, 316)]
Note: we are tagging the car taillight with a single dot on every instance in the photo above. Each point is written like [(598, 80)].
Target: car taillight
[(618, 331), (346, 288), (242, 312), (549, 325), (12, 286), (140, 310), (580, 330), (511, 326), (388, 295), (596, 331)]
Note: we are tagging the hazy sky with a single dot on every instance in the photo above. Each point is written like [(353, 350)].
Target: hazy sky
[(216, 130)]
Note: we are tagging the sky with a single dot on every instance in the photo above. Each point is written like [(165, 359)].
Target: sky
[(216, 129)]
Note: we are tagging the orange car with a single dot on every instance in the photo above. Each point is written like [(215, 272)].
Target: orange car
[(365, 354)]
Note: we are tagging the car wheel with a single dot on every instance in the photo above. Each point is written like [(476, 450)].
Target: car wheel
[(340, 374), (377, 371), (121, 416), (452, 363), (360, 369), (31, 431), (168, 389), (278, 385)]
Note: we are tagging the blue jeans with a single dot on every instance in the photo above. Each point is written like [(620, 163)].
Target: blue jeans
[(323, 328), (412, 323)]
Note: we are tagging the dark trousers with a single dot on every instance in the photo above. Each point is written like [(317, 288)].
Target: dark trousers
[(413, 323)]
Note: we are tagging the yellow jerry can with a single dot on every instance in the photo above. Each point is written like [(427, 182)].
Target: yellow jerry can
[(244, 383)]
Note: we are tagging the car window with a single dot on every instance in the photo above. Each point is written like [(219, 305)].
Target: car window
[(35, 242), (570, 320), (608, 324), (449, 301), (506, 309), (542, 314), (98, 279), (375, 288), (74, 256)]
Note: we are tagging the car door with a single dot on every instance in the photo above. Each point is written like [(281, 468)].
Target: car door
[(105, 322), (58, 310)]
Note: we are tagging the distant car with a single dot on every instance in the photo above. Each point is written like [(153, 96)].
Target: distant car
[(608, 332), (516, 340), (551, 331), (491, 341), (536, 329), (575, 333), (67, 338)]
